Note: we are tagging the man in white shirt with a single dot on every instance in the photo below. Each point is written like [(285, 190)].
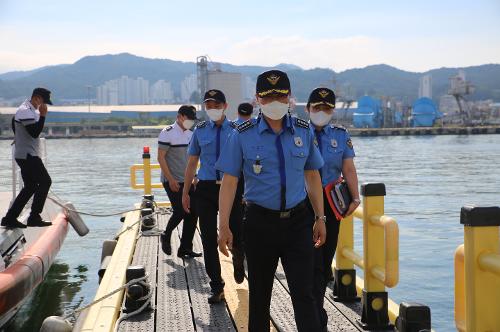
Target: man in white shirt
[(173, 142), (27, 125)]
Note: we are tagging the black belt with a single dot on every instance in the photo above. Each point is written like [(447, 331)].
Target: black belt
[(210, 181), (276, 213)]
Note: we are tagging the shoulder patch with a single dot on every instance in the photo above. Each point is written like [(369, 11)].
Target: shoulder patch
[(244, 126), (201, 124), (338, 127), (301, 123)]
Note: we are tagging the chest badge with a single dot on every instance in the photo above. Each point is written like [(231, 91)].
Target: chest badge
[(315, 141), (257, 167), (298, 141), (334, 143)]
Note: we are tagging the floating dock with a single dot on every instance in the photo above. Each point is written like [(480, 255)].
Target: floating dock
[(181, 287)]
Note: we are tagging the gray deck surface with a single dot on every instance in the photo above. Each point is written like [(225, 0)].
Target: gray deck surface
[(180, 301)]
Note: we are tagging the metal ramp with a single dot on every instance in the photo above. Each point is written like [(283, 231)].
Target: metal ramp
[(181, 291)]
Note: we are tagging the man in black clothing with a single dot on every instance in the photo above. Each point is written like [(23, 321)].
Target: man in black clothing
[(27, 125)]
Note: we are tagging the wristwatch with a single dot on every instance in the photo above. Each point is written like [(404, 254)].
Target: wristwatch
[(357, 200), (316, 218)]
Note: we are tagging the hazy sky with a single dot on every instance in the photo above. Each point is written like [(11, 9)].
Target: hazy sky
[(411, 35)]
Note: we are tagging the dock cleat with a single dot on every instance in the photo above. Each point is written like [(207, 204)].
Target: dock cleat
[(12, 223)]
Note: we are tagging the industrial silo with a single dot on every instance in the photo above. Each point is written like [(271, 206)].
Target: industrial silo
[(424, 113), (368, 114)]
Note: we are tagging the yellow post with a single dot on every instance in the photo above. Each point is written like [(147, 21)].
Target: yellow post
[(482, 259), (146, 159), (375, 300), (344, 288)]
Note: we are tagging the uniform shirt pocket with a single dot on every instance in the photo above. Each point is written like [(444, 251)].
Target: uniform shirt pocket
[(334, 156), (258, 161), (299, 158)]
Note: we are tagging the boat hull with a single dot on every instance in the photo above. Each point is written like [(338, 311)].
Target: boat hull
[(19, 279)]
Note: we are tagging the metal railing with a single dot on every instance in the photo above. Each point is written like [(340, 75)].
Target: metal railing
[(477, 270), (146, 167), (380, 259)]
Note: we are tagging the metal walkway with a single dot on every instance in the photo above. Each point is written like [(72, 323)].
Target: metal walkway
[(181, 292)]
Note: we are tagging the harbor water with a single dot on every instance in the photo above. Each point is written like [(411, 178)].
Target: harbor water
[(427, 178)]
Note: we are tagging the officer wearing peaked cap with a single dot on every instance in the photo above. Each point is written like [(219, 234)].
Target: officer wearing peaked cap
[(335, 146), (206, 145), (278, 158)]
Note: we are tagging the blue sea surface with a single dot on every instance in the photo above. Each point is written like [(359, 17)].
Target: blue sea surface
[(428, 179)]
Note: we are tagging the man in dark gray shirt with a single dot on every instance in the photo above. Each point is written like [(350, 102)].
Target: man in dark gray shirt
[(27, 125)]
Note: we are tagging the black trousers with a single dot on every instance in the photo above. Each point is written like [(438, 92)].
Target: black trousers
[(323, 258), (207, 204), (178, 214), (37, 181), (267, 238)]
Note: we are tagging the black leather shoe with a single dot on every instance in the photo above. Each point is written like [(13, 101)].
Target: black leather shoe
[(37, 222), (238, 267), (216, 297), (12, 223), (188, 254), (165, 243)]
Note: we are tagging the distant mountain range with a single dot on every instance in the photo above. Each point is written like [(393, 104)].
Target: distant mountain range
[(70, 81)]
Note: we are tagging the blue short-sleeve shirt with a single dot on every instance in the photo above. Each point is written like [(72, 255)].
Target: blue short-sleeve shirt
[(204, 144), (253, 149), (335, 145)]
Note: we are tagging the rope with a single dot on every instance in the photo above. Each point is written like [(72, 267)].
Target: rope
[(76, 311), (95, 214), (147, 297)]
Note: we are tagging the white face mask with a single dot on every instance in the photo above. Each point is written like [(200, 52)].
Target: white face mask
[(188, 124), (274, 110), (214, 114), (320, 118)]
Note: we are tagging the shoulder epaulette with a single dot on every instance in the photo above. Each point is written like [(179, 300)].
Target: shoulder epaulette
[(233, 124), (338, 127), (168, 128), (201, 124), (302, 123), (245, 125)]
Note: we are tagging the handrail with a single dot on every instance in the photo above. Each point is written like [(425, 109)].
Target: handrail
[(133, 176), (477, 270), (490, 262), (380, 259), (391, 277)]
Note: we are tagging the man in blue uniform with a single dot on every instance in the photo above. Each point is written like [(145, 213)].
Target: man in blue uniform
[(207, 142), (278, 158), (245, 111), (335, 146)]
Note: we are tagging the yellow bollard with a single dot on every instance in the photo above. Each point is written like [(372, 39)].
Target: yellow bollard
[(375, 300), (482, 266), (344, 288)]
